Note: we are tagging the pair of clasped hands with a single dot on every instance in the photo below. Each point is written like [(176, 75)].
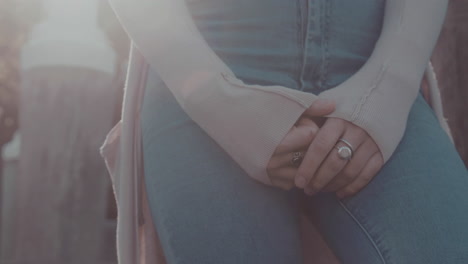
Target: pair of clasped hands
[(322, 169)]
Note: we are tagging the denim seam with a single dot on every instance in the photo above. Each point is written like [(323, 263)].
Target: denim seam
[(299, 42), (325, 28), (304, 30), (361, 226), (322, 42)]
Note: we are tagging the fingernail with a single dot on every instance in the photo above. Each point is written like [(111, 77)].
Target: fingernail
[(300, 182), (313, 130)]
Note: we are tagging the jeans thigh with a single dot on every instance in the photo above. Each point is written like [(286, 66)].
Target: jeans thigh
[(205, 207), (415, 209)]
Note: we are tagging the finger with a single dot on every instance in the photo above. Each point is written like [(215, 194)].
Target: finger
[(312, 121), (285, 159), (367, 174), (320, 107), (328, 170), (333, 164), (322, 144), (283, 174), (305, 121), (297, 138), (354, 135), (350, 172), (283, 177)]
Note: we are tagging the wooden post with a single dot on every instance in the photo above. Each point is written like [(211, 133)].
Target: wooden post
[(62, 186), (67, 106)]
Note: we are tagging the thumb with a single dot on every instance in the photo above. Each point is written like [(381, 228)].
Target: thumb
[(320, 107)]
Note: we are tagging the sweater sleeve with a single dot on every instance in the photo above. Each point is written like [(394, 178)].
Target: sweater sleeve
[(379, 96), (247, 121)]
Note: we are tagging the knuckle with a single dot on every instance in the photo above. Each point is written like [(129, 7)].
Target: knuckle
[(306, 135), (309, 133)]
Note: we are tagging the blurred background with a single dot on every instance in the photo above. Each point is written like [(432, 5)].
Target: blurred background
[(62, 69)]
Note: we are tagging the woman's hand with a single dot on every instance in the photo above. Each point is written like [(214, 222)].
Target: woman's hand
[(280, 169), (322, 169)]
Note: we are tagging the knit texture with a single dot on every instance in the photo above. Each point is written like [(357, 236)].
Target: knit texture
[(249, 121)]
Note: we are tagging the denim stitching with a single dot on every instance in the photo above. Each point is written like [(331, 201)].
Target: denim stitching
[(300, 64), (325, 40), (371, 240), (322, 41), (303, 43)]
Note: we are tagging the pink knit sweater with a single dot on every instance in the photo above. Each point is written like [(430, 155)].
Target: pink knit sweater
[(249, 121)]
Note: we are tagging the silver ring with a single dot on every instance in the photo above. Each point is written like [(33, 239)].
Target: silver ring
[(345, 153), (297, 158), (347, 143)]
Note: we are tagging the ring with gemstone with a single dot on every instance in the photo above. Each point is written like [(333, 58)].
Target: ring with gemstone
[(297, 158), (345, 153), (347, 143)]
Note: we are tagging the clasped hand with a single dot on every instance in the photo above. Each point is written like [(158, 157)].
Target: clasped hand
[(322, 169)]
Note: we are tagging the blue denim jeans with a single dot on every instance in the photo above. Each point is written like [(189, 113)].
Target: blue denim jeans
[(207, 210)]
